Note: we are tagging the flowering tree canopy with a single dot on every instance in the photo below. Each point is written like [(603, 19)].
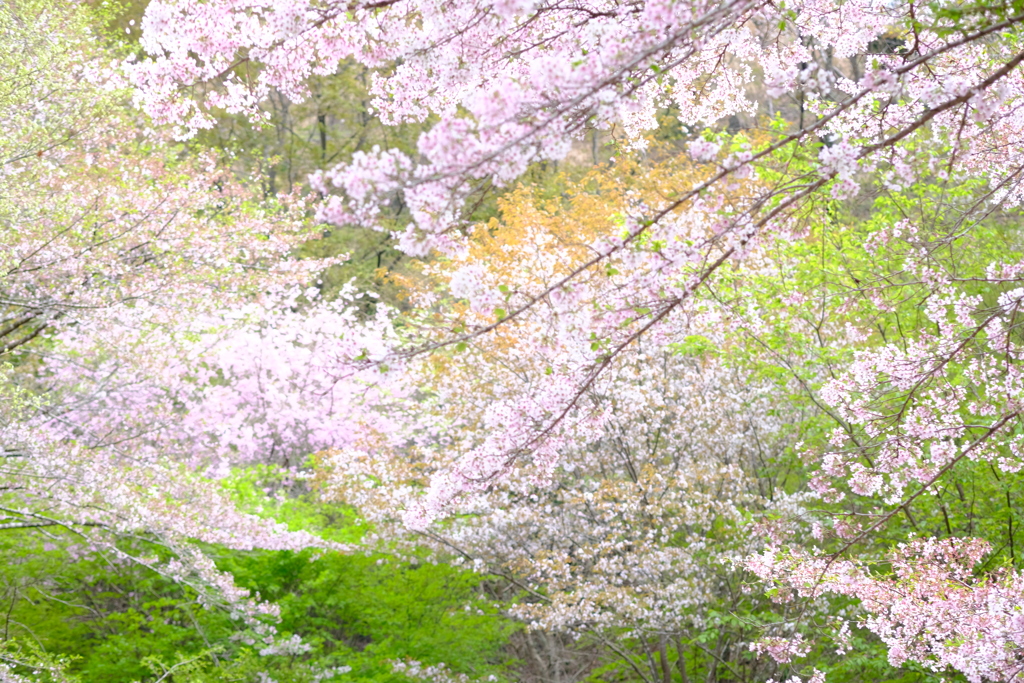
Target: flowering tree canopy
[(874, 98), (705, 345), (511, 85)]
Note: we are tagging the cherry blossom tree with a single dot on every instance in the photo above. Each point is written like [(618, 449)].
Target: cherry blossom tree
[(916, 413), (112, 250), (874, 98), (511, 85)]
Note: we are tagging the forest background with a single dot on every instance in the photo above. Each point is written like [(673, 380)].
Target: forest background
[(440, 342)]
